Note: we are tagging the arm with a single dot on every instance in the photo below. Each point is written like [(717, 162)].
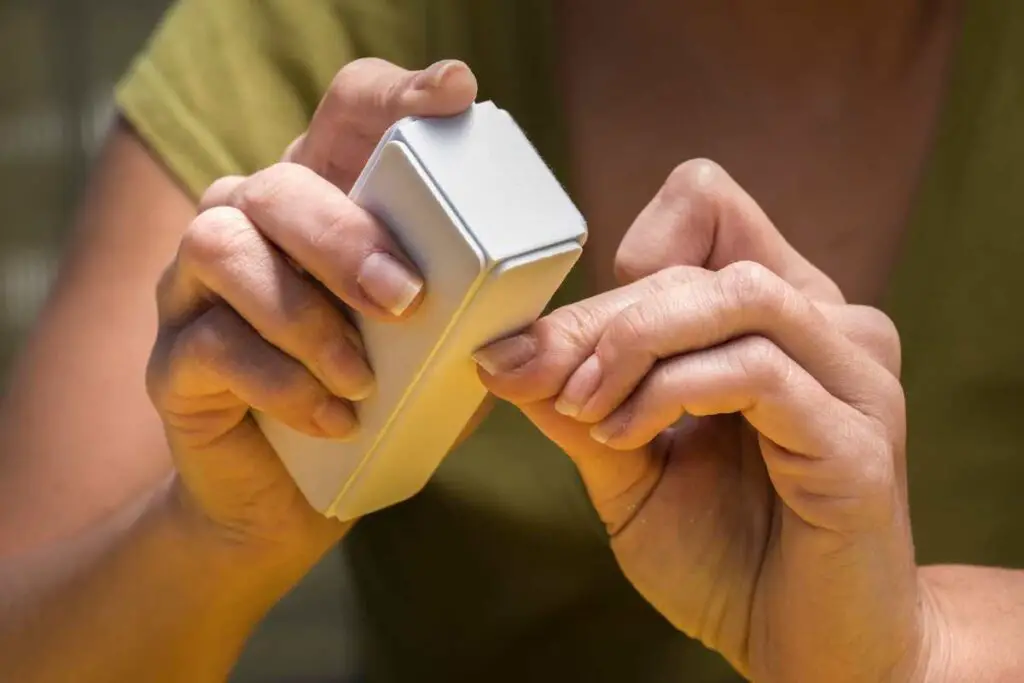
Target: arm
[(174, 587), (976, 619), (78, 388), (821, 583), (93, 560), (144, 597), (79, 439)]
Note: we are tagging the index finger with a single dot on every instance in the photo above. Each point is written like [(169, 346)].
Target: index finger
[(535, 364)]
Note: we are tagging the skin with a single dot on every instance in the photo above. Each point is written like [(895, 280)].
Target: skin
[(250, 534), (238, 327), (772, 520)]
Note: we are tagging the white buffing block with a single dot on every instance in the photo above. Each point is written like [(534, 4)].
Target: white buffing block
[(494, 235)]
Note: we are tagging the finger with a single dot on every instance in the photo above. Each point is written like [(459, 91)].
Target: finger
[(335, 241), (702, 217), (364, 100), (534, 365), (204, 378), (223, 257), (219, 192), (617, 481), (750, 375), (870, 329), (824, 449), (742, 299)]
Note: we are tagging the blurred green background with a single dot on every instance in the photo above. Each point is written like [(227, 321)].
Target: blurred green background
[(60, 60)]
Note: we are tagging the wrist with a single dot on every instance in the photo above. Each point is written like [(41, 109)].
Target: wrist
[(246, 571)]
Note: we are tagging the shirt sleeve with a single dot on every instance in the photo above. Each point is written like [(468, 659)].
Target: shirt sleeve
[(223, 86)]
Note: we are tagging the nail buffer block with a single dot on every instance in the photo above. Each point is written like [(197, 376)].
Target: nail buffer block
[(494, 235)]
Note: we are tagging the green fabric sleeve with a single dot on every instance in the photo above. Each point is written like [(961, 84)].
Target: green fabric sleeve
[(223, 86)]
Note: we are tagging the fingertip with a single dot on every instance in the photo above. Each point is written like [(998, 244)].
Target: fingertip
[(487, 379), (292, 152), (616, 437), (500, 385), (444, 73), (444, 88), (579, 391), (335, 418)]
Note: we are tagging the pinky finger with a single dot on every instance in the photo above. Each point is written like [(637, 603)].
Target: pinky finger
[(205, 377)]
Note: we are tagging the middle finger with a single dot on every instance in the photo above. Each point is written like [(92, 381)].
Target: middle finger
[(741, 300), (223, 256)]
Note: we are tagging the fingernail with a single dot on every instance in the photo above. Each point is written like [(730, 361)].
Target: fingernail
[(580, 387), (335, 418), (434, 75), (347, 371), (506, 355), (353, 337), (388, 283), (603, 432)]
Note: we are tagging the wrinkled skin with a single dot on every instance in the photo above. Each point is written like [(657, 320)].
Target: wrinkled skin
[(772, 525), (771, 521), (253, 314)]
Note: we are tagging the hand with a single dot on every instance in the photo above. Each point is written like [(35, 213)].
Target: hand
[(771, 521), (253, 312)]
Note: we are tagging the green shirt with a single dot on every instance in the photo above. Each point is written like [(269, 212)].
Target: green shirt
[(499, 569)]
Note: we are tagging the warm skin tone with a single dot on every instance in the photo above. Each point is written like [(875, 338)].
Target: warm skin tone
[(823, 527)]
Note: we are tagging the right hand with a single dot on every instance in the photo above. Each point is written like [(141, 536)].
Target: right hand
[(252, 313)]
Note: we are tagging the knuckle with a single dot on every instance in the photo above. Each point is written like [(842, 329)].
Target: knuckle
[(694, 178), (287, 384), (199, 344), (674, 276), (213, 236), (157, 370), (887, 340), (185, 357), (388, 95), (893, 404), (749, 281), (351, 76), (628, 330), (750, 286), (263, 190), (566, 327), (307, 323), (369, 82), (764, 363), (219, 189)]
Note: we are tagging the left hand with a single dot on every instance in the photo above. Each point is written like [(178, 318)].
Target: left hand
[(771, 523)]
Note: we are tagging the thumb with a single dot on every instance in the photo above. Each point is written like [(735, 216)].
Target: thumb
[(618, 482), (364, 100), (702, 217)]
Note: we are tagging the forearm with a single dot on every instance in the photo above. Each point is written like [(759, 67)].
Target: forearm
[(977, 624), (151, 603)]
